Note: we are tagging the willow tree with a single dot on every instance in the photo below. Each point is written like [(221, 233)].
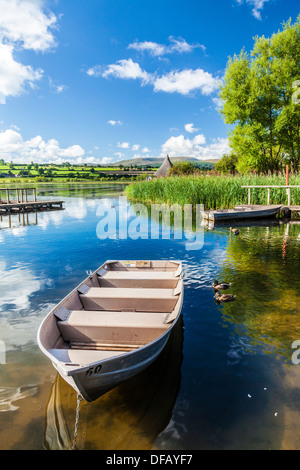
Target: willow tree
[(257, 100)]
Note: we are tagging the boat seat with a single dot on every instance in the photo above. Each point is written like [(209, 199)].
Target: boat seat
[(112, 328), (137, 279), (82, 357), (120, 299)]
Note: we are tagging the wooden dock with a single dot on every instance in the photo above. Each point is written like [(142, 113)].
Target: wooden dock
[(287, 187), (18, 200)]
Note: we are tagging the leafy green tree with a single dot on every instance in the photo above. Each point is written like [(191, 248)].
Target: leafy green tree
[(182, 168), (227, 164), (257, 101)]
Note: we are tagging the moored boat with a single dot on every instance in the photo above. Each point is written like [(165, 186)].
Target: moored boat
[(242, 213), (113, 325)]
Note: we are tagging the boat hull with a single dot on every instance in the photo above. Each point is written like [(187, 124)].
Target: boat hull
[(99, 378), (241, 214)]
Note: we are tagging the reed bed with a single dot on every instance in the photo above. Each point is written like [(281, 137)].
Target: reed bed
[(215, 192)]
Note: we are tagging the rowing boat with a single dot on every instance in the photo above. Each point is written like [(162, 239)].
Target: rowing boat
[(242, 213), (113, 325), (137, 411)]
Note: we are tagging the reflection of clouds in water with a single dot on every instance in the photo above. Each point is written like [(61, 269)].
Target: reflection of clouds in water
[(74, 208), (239, 348), (235, 354), (176, 430), (104, 203), (19, 231), (77, 209), (202, 275), (21, 331), (16, 286), (10, 395), (45, 218)]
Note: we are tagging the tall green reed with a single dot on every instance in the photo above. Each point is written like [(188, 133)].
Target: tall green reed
[(215, 192)]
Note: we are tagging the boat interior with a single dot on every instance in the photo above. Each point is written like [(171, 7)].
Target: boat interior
[(118, 308)]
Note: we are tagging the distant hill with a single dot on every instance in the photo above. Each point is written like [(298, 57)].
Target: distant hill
[(158, 161)]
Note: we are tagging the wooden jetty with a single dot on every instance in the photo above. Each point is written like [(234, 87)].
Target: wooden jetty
[(252, 211), (18, 200), (269, 187)]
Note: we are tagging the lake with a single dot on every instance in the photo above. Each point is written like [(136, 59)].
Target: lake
[(227, 378)]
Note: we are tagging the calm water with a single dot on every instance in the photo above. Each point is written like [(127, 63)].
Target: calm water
[(226, 379)]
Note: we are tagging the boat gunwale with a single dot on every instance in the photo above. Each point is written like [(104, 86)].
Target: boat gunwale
[(63, 365)]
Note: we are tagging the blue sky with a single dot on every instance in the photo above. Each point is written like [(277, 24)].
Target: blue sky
[(99, 81)]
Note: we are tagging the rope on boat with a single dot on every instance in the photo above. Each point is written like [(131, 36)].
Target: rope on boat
[(79, 400)]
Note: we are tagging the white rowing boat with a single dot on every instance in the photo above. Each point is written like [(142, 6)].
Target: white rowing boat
[(113, 325)]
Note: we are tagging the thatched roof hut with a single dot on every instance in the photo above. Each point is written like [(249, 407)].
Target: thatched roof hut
[(164, 168)]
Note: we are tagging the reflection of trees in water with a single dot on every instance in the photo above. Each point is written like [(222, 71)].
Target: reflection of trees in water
[(263, 264), (77, 190)]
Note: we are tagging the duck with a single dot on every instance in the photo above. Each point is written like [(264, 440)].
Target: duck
[(235, 231), (221, 285), (224, 297)]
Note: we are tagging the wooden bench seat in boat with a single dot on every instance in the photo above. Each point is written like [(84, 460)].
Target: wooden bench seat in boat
[(112, 328), (137, 279), (82, 357), (140, 299)]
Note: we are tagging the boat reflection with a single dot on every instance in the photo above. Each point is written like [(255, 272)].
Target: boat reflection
[(243, 223), (130, 416)]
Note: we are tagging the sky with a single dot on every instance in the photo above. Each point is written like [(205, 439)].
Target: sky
[(101, 81)]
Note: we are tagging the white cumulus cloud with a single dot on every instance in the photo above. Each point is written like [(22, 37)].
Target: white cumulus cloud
[(123, 145), (127, 69), (186, 81), (183, 81), (257, 5), (179, 146), (13, 75), (25, 22), (23, 25), (179, 45), (14, 147), (190, 128), (106, 160), (114, 123)]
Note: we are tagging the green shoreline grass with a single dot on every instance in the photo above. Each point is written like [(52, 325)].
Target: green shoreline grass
[(215, 192)]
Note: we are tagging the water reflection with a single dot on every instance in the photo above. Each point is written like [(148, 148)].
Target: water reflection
[(229, 351), (130, 416), (85, 191), (263, 266)]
